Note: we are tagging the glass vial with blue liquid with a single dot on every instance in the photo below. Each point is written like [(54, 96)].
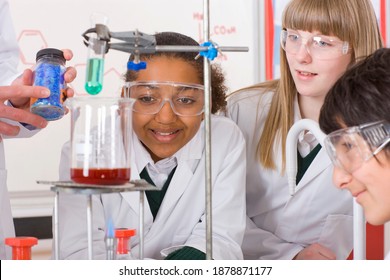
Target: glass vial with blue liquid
[(95, 59), (49, 72)]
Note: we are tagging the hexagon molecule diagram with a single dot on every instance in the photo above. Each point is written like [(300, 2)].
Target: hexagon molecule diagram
[(30, 42)]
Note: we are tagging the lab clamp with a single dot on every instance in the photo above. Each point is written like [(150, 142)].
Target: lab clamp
[(99, 41), (136, 43), (359, 223)]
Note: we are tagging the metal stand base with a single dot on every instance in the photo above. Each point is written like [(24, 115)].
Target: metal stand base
[(87, 189)]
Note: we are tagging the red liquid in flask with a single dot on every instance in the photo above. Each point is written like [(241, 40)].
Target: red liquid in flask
[(117, 176)]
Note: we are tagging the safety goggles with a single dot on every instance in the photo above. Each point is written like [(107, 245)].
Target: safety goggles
[(318, 46), (348, 148), (150, 97)]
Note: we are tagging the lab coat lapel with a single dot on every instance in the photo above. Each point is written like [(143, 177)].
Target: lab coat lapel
[(132, 199), (179, 183), (138, 161), (319, 164), (188, 159)]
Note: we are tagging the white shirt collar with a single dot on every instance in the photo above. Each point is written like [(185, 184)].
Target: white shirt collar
[(160, 170), (190, 153), (306, 140)]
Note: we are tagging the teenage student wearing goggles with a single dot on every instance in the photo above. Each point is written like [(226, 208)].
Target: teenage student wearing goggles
[(169, 152), (356, 117), (319, 41)]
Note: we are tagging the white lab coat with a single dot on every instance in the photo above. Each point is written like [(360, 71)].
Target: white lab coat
[(280, 225), (6, 220), (181, 217), (9, 57), (9, 50)]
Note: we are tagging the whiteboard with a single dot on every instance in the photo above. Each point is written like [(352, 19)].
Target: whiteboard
[(59, 24)]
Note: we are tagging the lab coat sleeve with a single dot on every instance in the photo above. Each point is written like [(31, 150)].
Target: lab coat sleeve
[(73, 232), (9, 51), (260, 244), (24, 132), (9, 58), (242, 109), (72, 210), (228, 200), (6, 223), (278, 225)]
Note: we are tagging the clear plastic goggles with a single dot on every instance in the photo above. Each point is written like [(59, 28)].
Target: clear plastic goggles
[(348, 148), (318, 46), (150, 97)]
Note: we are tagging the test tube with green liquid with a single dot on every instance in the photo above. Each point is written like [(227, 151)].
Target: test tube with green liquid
[(95, 66)]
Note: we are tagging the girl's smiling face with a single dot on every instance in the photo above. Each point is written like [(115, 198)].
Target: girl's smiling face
[(314, 77), (164, 133), (370, 185)]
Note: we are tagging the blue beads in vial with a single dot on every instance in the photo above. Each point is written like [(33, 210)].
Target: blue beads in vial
[(49, 72)]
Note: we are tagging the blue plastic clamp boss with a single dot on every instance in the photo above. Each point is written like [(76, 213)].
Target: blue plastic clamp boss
[(131, 65), (212, 51)]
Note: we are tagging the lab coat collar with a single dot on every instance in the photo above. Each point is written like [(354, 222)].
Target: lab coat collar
[(320, 162), (139, 158), (188, 158), (190, 154)]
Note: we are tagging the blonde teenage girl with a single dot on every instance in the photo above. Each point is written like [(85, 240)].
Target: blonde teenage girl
[(319, 41)]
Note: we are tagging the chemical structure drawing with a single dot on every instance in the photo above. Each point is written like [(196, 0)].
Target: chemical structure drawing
[(30, 42), (216, 30)]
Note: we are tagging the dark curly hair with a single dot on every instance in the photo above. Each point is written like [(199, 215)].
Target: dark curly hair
[(218, 88), (360, 96)]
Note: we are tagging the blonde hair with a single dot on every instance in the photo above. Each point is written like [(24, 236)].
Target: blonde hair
[(353, 21)]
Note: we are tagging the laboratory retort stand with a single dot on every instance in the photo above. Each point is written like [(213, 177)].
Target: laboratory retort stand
[(73, 188)]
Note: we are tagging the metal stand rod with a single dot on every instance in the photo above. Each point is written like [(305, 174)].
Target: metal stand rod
[(89, 226), (207, 121), (198, 49), (56, 229), (359, 232), (127, 47), (141, 224), (136, 42), (89, 190)]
